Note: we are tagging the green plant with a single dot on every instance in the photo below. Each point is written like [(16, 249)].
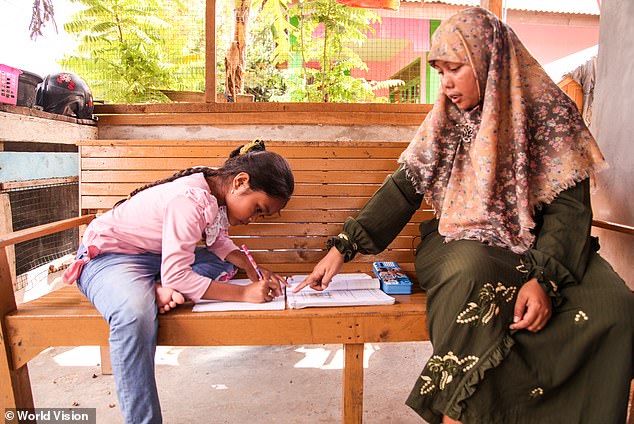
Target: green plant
[(122, 50), (320, 66)]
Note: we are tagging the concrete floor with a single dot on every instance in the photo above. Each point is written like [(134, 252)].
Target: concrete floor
[(235, 385)]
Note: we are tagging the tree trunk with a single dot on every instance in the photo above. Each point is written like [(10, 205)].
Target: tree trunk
[(235, 60)]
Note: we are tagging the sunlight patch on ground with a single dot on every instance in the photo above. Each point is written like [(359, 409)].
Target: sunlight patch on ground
[(82, 356), (219, 387), (327, 359), (89, 356), (168, 355)]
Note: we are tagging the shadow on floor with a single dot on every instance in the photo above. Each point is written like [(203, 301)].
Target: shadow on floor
[(240, 384)]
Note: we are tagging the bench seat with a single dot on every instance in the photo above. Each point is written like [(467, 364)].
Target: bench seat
[(65, 316)]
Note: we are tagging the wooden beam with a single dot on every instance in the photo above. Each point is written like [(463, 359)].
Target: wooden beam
[(36, 183), (620, 228), (15, 390), (353, 384), (495, 6), (210, 52), (106, 364), (119, 109), (31, 128), (288, 118), (43, 230), (6, 226)]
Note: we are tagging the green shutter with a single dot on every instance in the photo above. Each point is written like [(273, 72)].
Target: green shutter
[(433, 79)]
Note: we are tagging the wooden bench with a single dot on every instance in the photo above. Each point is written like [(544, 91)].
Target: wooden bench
[(333, 180)]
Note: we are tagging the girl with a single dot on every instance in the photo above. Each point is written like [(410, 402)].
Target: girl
[(528, 323), (154, 234)]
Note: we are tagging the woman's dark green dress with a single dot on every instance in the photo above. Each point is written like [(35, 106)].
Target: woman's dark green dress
[(576, 370)]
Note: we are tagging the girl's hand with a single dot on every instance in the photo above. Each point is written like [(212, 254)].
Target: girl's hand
[(533, 307), (261, 291), (323, 272), (279, 281)]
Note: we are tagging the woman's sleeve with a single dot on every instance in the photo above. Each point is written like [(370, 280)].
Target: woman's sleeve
[(381, 219), (563, 243)]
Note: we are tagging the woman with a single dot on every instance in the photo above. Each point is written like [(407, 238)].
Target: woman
[(528, 323)]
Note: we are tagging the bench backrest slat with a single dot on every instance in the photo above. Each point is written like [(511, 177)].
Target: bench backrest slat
[(333, 181)]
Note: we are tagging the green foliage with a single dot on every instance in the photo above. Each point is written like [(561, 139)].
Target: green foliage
[(343, 28), (263, 79), (184, 43), (131, 50), (125, 46)]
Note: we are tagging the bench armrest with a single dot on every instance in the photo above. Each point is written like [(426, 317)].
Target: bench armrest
[(16, 237), (7, 296), (620, 228)]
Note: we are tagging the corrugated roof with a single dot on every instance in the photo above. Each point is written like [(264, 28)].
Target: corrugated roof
[(584, 7)]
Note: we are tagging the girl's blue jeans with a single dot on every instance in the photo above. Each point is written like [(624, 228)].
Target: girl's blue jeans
[(121, 286)]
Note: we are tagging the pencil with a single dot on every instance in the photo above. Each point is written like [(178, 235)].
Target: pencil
[(250, 258)]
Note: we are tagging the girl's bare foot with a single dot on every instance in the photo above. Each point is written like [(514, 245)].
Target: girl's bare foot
[(167, 298)]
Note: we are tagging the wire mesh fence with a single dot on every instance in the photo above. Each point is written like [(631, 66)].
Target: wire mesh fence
[(30, 207), (266, 50)]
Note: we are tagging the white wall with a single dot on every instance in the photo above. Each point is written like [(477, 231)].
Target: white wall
[(613, 125), (266, 132)]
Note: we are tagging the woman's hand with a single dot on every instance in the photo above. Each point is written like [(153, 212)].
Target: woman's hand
[(323, 272), (533, 307)]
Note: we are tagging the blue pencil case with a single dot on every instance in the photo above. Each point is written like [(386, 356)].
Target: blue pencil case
[(393, 279)]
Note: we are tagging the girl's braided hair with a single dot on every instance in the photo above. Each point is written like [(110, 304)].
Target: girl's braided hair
[(268, 171)]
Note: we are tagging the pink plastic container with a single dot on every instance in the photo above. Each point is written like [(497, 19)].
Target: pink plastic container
[(9, 77)]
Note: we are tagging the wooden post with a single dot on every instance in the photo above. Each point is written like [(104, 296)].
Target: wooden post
[(494, 6), (6, 226), (15, 386), (210, 52), (353, 383), (106, 365)]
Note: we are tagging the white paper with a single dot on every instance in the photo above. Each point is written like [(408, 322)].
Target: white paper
[(352, 281), (359, 297), (344, 290), (355, 289), (277, 304)]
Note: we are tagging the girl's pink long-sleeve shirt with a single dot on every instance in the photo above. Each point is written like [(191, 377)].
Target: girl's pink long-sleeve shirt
[(168, 219)]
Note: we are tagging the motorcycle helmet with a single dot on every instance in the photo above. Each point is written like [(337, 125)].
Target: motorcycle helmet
[(65, 93)]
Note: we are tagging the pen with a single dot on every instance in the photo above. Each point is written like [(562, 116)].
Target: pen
[(250, 258)]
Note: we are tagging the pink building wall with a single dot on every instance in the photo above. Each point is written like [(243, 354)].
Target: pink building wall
[(547, 42)]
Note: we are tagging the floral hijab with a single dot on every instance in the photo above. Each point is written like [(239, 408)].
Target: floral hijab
[(485, 171)]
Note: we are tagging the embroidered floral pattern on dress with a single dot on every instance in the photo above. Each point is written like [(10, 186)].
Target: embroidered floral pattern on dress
[(536, 393), (444, 369), (488, 305), (581, 318), (220, 222)]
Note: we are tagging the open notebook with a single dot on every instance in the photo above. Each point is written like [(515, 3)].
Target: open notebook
[(277, 304), (344, 290)]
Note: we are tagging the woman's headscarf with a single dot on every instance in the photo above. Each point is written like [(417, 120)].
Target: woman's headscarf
[(486, 170)]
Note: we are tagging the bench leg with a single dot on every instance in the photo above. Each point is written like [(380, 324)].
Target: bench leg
[(106, 365), (17, 394), (353, 383)]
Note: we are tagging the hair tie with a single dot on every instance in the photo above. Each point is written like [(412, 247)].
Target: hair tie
[(257, 145)]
